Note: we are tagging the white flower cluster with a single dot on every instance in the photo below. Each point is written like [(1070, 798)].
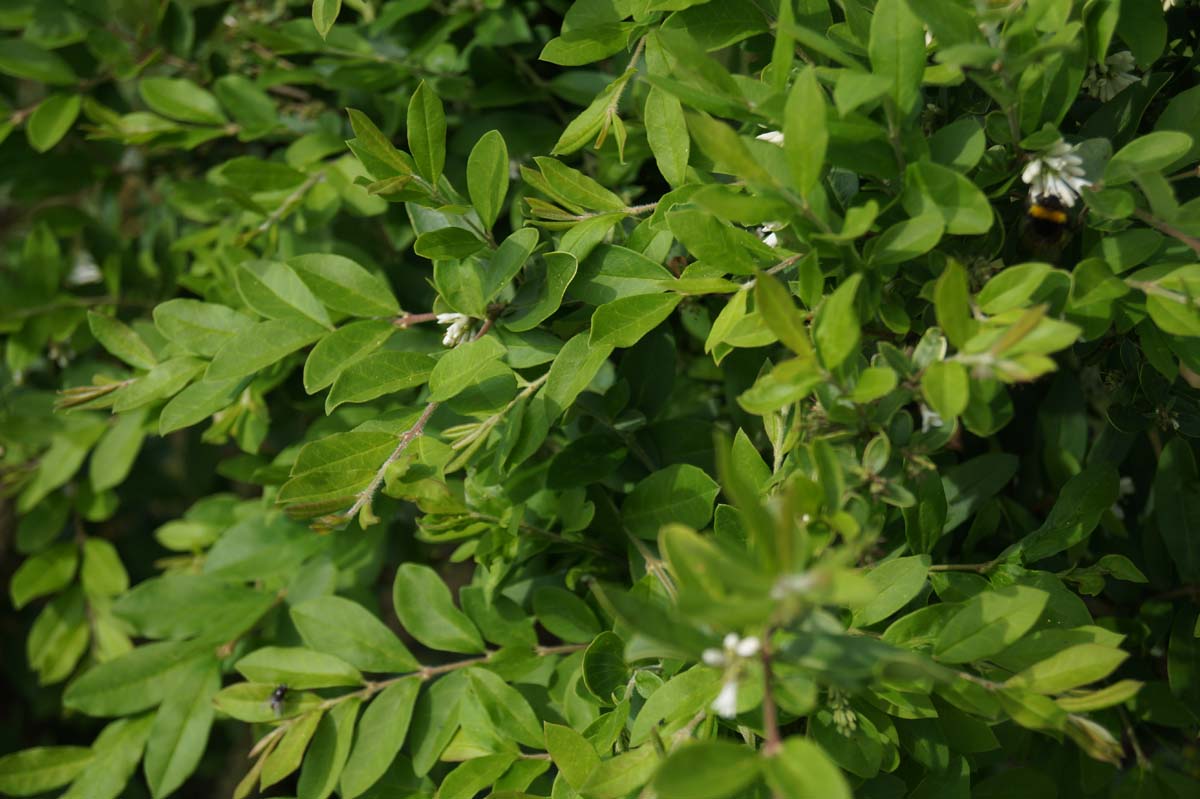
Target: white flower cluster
[(1105, 81), (459, 327), (735, 650), (1056, 172), (771, 136)]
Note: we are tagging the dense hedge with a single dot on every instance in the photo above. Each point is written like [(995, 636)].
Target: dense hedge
[(618, 398)]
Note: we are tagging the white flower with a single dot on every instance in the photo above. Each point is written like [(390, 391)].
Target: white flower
[(459, 326), (725, 704), (772, 136), (929, 419), (1105, 81), (928, 37), (1169, 4), (1057, 172), (767, 232), (84, 271), (794, 583), (1126, 487)]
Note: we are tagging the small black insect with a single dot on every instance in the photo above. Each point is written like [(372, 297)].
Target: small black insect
[(277, 698)]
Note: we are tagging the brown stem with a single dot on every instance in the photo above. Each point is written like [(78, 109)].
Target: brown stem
[(410, 319), (1167, 228), (980, 568)]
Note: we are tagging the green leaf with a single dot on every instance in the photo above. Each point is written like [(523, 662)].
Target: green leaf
[(935, 189), (906, 240), (1012, 287), (346, 629), (427, 611), (989, 622), (260, 346), (51, 120), (329, 750), (804, 131), (427, 133), (679, 493), (118, 749), (673, 704), (121, 341), (505, 707), (179, 98), (565, 615), (577, 188), (605, 672), (952, 302), (274, 290), (379, 374), (198, 327), (324, 14), (802, 770), (381, 733), (435, 719), (897, 50), (541, 294), (132, 682), (779, 310), (179, 733), (47, 572), (159, 383), (621, 775), (469, 778), (41, 769), (487, 176), (1072, 667), (897, 582), (459, 368), (344, 286), (835, 327), (507, 260), (666, 133), (787, 382), (573, 755), (185, 605), (196, 403), (379, 146), (297, 668), (252, 702), (116, 451), (1083, 501), (252, 108), (22, 58), (726, 149), (335, 468), (448, 243), (623, 322), (103, 575), (344, 346), (1144, 154), (946, 388), (707, 770), (287, 754)]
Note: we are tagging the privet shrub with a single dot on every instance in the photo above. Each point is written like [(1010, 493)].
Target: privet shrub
[(669, 399)]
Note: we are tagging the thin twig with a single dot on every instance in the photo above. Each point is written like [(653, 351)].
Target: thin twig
[(411, 434), (289, 202), (1170, 230), (410, 319), (980, 568)]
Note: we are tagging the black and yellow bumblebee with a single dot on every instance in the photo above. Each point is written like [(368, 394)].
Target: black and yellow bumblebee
[(1046, 228)]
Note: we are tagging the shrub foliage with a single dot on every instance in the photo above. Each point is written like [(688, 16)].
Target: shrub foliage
[(618, 398)]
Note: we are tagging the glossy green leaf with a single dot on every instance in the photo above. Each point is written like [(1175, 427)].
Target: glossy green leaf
[(989, 622), (427, 133), (380, 734), (487, 176), (346, 629), (427, 611)]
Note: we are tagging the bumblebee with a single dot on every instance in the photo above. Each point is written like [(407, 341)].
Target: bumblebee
[(1046, 227)]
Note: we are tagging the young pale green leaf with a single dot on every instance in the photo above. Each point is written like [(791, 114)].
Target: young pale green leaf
[(102, 574), (349, 631), (427, 611), (427, 133), (946, 388), (381, 732), (344, 346), (41, 769), (1146, 154), (565, 615), (344, 286), (836, 328), (622, 775), (679, 493), (666, 132), (897, 51), (51, 120), (897, 582), (779, 310), (121, 341), (787, 382), (261, 345), (675, 702), (324, 14), (623, 322), (298, 668), (802, 770), (1072, 667), (577, 188), (254, 702), (487, 176), (989, 622), (181, 99), (287, 754), (329, 750), (118, 750), (707, 770), (378, 374), (952, 302), (179, 734), (804, 131)]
